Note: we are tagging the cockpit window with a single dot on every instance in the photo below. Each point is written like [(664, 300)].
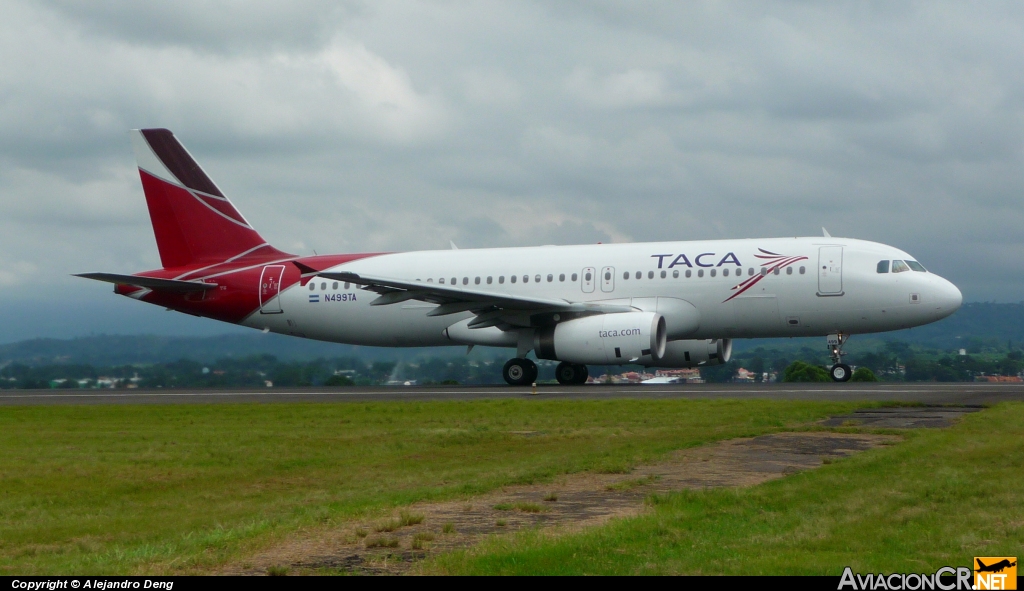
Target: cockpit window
[(883, 266), (899, 267), (916, 266)]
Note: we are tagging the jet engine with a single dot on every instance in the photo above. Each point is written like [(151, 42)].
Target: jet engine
[(605, 339), (692, 353)]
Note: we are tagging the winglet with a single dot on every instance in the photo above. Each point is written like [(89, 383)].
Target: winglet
[(825, 233)]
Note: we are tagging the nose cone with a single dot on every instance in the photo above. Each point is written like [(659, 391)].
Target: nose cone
[(947, 298)]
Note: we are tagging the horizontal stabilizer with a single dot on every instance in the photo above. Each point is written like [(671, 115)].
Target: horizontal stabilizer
[(172, 285)]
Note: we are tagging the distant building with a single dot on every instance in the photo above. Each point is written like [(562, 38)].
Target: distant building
[(998, 379), (690, 375), (745, 375)]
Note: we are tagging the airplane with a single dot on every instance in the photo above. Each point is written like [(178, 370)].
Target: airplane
[(994, 568), (658, 304)]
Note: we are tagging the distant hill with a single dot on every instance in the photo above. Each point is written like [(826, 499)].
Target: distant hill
[(973, 326), (976, 324), (995, 323)]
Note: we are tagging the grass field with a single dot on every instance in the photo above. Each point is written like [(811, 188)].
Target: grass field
[(938, 499), (184, 488)]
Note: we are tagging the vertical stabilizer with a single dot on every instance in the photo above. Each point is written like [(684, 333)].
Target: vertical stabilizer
[(193, 221)]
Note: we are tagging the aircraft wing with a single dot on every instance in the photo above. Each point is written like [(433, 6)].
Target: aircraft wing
[(154, 283), (492, 308)]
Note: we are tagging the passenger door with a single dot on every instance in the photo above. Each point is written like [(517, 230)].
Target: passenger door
[(270, 289), (830, 271)]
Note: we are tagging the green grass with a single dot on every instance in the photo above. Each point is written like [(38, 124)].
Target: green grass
[(938, 499), (183, 488)]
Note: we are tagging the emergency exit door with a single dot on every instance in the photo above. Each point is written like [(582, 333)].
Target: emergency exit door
[(587, 279), (608, 279)]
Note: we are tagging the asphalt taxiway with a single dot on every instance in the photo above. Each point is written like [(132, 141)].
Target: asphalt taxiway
[(928, 393)]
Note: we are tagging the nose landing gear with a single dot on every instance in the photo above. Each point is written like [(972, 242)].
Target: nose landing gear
[(840, 372)]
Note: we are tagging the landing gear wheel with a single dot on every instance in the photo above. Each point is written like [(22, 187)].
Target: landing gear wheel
[(841, 372), (582, 374), (519, 372), (568, 374)]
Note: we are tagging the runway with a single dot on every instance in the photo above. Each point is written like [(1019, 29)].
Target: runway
[(928, 393)]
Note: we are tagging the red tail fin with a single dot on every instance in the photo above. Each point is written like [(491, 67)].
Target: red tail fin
[(193, 221)]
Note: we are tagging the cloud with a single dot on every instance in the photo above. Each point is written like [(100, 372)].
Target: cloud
[(401, 125)]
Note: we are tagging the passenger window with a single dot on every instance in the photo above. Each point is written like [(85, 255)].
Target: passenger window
[(607, 276), (650, 274), (899, 267), (513, 279), (916, 266), (312, 286), (550, 278), (346, 286), (675, 274), (713, 272), (441, 281), (334, 286), (688, 273), (725, 272), (323, 286), (663, 274), (588, 277), (883, 267), (574, 277), (476, 281), (455, 280), (465, 280), (803, 270), (789, 270), (526, 278), (639, 274), (537, 278), (431, 280), (501, 279), (561, 276), (625, 275), (700, 273), (764, 271), (490, 280), (776, 270), (750, 272)]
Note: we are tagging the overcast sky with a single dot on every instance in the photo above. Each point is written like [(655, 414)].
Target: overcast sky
[(348, 127)]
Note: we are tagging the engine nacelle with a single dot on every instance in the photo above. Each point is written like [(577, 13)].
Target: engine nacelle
[(605, 339), (692, 353)]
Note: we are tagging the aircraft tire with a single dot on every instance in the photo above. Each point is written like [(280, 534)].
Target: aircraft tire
[(841, 372), (519, 372), (533, 371), (582, 374), (567, 374)]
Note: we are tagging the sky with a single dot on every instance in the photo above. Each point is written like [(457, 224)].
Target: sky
[(370, 126)]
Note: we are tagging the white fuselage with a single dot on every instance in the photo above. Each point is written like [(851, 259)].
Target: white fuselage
[(826, 285)]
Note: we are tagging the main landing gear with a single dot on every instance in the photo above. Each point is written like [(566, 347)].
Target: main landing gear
[(523, 372), (519, 372), (840, 372), (569, 374)]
